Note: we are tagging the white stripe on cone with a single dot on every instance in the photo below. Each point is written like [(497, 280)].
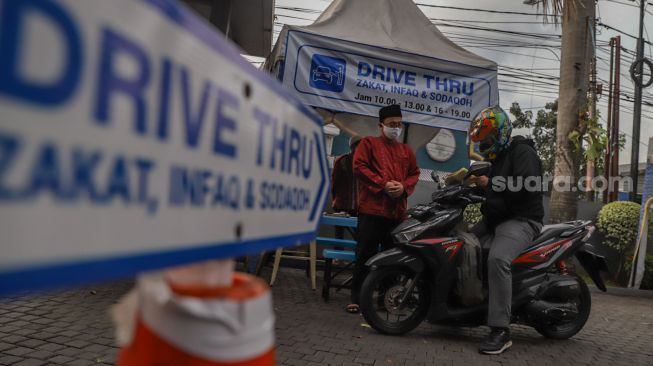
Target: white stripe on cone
[(220, 330)]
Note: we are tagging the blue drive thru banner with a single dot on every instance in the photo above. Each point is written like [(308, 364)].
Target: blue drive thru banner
[(133, 137), (347, 76)]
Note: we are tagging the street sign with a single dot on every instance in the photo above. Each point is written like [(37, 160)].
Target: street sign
[(134, 137)]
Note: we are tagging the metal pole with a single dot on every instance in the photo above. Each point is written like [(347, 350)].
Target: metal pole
[(637, 116), (607, 162), (616, 100)]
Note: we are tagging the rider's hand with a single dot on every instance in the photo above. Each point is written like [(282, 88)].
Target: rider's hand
[(481, 181)]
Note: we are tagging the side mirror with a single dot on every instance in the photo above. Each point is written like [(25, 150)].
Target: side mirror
[(479, 168)]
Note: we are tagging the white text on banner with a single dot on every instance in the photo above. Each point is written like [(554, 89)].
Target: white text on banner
[(350, 77)]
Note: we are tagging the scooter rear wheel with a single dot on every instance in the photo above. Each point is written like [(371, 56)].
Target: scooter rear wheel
[(569, 329), (379, 301)]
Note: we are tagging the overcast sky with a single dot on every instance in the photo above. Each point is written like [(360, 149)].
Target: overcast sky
[(620, 14)]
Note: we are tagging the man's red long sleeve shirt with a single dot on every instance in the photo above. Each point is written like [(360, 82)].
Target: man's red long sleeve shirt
[(377, 161)]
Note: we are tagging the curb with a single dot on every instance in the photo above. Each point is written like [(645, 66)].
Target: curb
[(624, 292)]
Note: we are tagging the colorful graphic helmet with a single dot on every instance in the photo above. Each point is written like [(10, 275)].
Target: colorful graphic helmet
[(489, 132)]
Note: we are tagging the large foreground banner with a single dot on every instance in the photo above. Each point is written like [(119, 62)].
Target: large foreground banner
[(134, 137), (357, 78)]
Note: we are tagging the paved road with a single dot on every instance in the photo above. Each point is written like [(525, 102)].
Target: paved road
[(73, 328)]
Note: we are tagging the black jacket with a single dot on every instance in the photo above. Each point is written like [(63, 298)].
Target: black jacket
[(513, 165)]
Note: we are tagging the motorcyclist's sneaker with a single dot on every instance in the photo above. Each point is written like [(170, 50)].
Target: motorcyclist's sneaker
[(496, 342)]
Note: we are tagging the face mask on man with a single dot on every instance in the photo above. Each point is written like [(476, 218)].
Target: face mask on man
[(392, 133)]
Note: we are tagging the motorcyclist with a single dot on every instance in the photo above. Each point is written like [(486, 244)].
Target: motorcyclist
[(512, 212)]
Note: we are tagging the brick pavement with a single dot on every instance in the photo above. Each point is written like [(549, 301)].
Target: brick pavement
[(73, 328)]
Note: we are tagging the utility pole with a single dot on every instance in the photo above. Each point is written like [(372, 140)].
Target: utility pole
[(612, 150), (608, 149), (637, 116), (616, 98)]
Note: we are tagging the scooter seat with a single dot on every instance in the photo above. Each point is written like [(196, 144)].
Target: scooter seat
[(548, 232)]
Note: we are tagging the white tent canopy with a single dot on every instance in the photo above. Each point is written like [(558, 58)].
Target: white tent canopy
[(362, 54)]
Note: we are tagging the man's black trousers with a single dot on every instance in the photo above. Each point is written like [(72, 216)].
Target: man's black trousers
[(373, 233)]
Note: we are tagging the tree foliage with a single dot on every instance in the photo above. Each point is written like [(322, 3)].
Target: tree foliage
[(543, 130), (590, 138)]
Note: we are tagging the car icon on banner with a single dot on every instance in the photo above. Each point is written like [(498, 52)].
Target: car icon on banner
[(327, 73)]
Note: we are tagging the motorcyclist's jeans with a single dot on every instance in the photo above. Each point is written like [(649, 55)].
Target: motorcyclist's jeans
[(509, 239)]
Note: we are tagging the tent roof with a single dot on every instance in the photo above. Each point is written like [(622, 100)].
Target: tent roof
[(394, 24)]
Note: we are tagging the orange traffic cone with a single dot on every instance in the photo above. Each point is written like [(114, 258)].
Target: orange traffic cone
[(185, 320)]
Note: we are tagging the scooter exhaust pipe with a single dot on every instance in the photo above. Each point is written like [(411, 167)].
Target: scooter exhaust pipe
[(546, 310)]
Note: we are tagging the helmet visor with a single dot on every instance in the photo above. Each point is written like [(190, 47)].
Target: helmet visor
[(482, 136)]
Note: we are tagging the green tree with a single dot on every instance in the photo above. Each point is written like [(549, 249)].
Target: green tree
[(591, 144), (543, 131)]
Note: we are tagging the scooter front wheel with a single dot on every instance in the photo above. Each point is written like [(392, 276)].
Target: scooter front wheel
[(385, 304)]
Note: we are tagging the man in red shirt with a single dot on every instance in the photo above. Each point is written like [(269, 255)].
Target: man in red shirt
[(386, 172)]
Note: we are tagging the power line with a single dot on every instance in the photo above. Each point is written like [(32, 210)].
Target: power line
[(647, 36), (474, 38), (530, 71), (523, 77), (484, 10), (516, 76), (626, 134), (485, 21), (530, 68), (623, 3), (622, 32), (627, 4), (516, 53), (299, 10), (292, 17), (534, 35)]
